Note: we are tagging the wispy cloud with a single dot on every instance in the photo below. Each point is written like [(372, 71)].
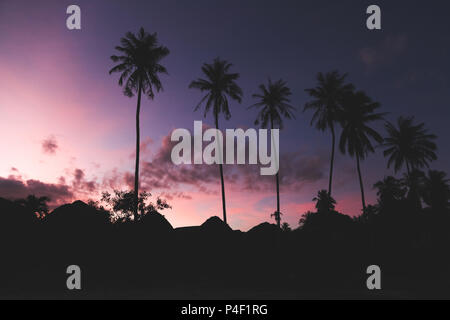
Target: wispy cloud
[(50, 145)]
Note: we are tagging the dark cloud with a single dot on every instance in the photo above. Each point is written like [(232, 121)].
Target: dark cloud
[(15, 188), (49, 145), (80, 184), (296, 170), (172, 195)]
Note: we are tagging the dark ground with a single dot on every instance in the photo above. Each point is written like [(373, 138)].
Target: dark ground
[(327, 259)]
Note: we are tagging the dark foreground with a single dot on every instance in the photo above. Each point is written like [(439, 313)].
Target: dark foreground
[(326, 259)]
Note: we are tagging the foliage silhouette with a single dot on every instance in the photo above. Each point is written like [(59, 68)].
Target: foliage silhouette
[(409, 144), (437, 191), (286, 227), (324, 202), (277, 216), (139, 65), (122, 205), (36, 205), (219, 85), (414, 180), (390, 191), (148, 255)]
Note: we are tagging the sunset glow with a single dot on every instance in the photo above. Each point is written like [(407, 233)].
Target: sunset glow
[(68, 132)]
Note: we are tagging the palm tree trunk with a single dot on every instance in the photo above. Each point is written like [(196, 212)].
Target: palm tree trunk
[(408, 169), (278, 200), (221, 178), (333, 147), (278, 186), (138, 145), (363, 198)]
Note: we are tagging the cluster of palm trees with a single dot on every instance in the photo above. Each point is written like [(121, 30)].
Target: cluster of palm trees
[(336, 103), (273, 103), (417, 187), (336, 106)]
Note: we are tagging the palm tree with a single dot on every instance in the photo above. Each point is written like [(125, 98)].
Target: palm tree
[(219, 85), (358, 112), (409, 145), (326, 103), (274, 105), (437, 191), (324, 202), (415, 181), (139, 67), (390, 191)]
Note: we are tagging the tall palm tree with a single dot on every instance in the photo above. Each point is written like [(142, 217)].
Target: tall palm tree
[(409, 144), (274, 105), (358, 113), (139, 65), (327, 101), (219, 85)]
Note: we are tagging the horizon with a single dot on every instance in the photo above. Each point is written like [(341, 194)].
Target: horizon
[(68, 131)]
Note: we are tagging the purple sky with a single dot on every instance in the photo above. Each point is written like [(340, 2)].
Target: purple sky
[(68, 131)]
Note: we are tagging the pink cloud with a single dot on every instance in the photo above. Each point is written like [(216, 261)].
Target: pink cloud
[(15, 188), (296, 170), (49, 145)]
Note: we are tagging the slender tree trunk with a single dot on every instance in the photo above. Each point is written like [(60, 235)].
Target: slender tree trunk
[(278, 201), (333, 148), (413, 193), (138, 145), (363, 198), (408, 169), (278, 214), (221, 178)]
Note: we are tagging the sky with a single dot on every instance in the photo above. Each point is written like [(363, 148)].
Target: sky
[(68, 132)]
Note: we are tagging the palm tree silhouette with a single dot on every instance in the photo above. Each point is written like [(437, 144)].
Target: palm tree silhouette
[(325, 203), (274, 104), (390, 191), (327, 101), (358, 112), (415, 181), (139, 65), (220, 85), (409, 145), (437, 191)]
